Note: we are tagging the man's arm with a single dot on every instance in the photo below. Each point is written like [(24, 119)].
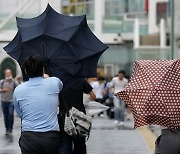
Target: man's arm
[(88, 89), (5, 90), (16, 106), (92, 96)]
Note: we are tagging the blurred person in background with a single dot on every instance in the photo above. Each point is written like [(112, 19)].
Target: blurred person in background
[(108, 97), (7, 87), (99, 90), (118, 84), (109, 91)]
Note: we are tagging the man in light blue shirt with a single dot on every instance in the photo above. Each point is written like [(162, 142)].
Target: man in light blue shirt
[(36, 103)]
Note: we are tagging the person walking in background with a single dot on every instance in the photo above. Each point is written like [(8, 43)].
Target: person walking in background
[(118, 84), (99, 89), (108, 98), (36, 103), (7, 87), (73, 97)]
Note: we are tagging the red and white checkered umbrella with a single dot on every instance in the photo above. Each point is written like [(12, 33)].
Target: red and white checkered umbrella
[(153, 93)]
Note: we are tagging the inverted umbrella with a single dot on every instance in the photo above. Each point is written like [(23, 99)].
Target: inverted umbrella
[(69, 48), (153, 94), (94, 108)]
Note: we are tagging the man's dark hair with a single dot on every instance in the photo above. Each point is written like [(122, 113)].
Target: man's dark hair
[(122, 72), (34, 66)]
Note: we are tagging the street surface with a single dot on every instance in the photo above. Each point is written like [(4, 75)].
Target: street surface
[(105, 138)]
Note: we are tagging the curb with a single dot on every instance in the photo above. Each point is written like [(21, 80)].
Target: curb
[(148, 137)]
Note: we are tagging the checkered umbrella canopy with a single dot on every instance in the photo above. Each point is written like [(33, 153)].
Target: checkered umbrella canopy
[(153, 94)]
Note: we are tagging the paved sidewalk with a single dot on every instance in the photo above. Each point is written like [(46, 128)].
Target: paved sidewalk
[(9, 145), (107, 139), (104, 139)]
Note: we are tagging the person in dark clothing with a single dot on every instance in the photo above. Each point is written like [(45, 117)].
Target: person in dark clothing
[(73, 97)]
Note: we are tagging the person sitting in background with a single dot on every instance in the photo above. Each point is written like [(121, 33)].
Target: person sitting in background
[(36, 102), (7, 87)]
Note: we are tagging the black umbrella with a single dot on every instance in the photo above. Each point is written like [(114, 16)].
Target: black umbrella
[(69, 48)]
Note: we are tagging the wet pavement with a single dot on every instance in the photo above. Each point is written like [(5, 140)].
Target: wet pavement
[(9, 144), (105, 139)]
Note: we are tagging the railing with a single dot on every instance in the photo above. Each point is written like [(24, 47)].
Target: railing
[(23, 9), (114, 7), (153, 53), (117, 19), (123, 26), (143, 29)]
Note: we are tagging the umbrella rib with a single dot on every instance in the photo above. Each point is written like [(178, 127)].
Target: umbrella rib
[(30, 52), (61, 67), (60, 47), (31, 47), (169, 68), (146, 75), (166, 111), (63, 29), (76, 44)]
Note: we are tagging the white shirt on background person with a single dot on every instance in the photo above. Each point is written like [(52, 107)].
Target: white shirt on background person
[(118, 84)]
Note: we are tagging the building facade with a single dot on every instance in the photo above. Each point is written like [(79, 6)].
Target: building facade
[(133, 29)]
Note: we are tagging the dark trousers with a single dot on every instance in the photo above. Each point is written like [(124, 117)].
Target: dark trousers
[(69, 145), (39, 142), (79, 146), (8, 112), (168, 142)]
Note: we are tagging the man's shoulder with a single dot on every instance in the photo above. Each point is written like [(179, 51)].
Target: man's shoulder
[(54, 80), (20, 87)]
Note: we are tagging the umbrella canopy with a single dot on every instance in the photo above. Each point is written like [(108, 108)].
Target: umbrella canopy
[(153, 93), (69, 48)]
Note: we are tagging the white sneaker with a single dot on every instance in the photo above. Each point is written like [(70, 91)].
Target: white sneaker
[(121, 123), (116, 122), (101, 115)]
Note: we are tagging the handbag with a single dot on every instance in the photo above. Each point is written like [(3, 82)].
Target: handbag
[(77, 124)]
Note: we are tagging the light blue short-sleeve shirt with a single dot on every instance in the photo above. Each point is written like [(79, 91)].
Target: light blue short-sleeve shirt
[(36, 103)]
